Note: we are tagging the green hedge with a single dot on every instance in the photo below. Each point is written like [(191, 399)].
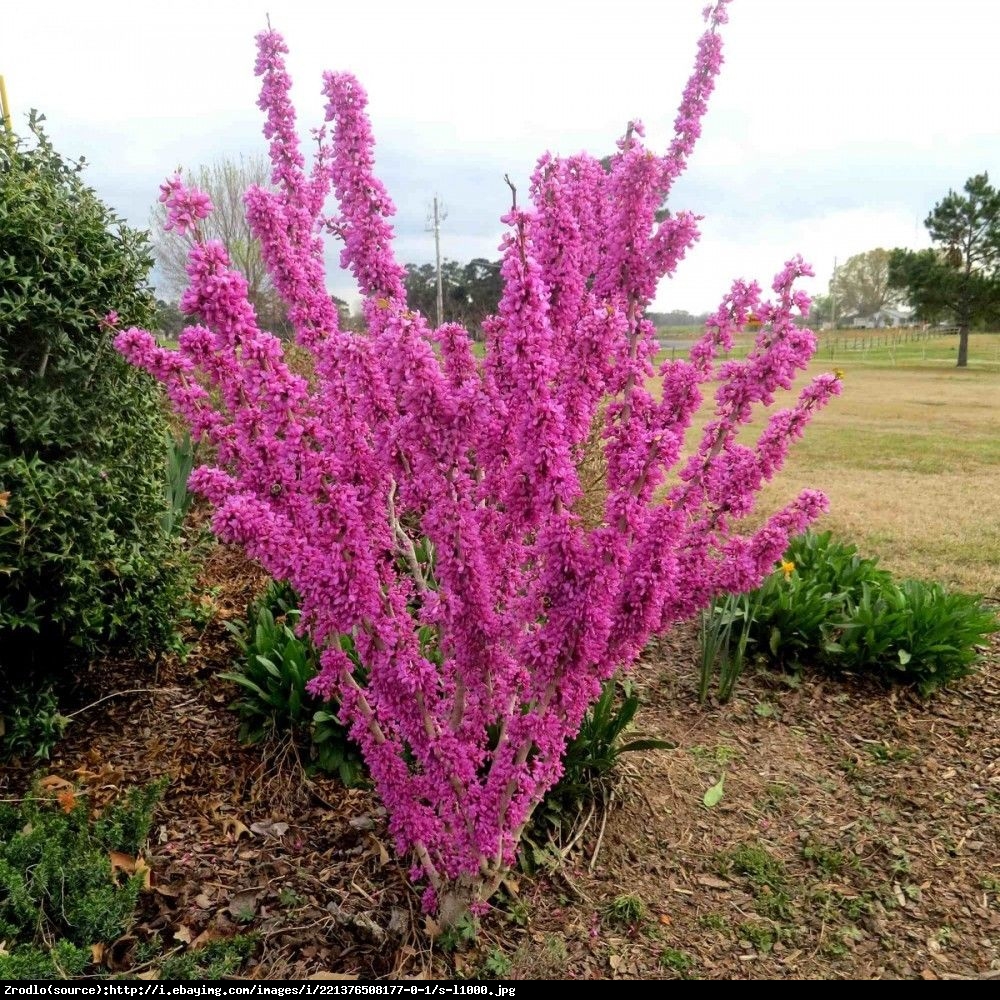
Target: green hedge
[(84, 560)]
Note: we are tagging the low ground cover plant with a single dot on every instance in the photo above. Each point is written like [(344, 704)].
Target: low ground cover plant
[(68, 881)]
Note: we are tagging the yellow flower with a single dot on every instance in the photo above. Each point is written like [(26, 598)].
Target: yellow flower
[(838, 373), (788, 568)]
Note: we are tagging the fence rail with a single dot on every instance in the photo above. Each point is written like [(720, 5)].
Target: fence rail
[(830, 345), (868, 340)]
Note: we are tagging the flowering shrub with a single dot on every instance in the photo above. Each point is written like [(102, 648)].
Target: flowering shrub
[(422, 501)]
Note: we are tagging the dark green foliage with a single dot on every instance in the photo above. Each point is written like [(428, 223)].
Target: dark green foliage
[(58, 891), (960, 277), (216, 960), (592, 756), (33, 723), (797, 612), (272, 676), (470, 292), (595, 750), (83, 559), (127, 823), (829, 607), (914, 632), (64, 960), (725, 632)]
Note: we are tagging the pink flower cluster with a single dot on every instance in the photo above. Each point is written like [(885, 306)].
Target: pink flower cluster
[(186, 207), (423, 502)]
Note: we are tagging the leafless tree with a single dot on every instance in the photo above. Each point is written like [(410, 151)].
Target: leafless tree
[(225, 182)]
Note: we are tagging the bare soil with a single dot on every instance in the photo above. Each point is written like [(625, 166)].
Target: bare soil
[(856, 837)]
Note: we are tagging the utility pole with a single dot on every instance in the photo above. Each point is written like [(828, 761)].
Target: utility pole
[(4, 106), (440, 213)]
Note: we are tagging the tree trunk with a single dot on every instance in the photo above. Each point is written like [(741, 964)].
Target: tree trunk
[(963, 346)]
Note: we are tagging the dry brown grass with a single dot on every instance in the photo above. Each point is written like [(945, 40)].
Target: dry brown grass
[(909, 456), (910, 459)]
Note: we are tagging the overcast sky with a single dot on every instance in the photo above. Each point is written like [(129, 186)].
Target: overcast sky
[(835, 126)]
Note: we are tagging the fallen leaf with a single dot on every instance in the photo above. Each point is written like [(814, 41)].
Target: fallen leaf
[(347, 976), (269, 829), (121, 862), (232, 827), (665, 919), (149, 976), (711, 882), (97, 952), (243, 906), (714, 794), (52, 782), (383, 854), (207, 936), (183, 934), (511, 885)]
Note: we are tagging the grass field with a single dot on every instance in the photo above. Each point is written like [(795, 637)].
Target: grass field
[(910, 458)]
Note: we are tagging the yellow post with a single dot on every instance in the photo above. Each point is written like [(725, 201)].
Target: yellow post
[(3, 104)]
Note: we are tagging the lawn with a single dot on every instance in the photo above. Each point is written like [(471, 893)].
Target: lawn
[(909, 456)]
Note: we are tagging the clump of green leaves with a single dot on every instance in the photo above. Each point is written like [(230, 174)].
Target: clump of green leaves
[(829, 607), (594, 753), (676, 961), (181, 456), (216, 960), (84, 561), (755, 863), (32, 722), (624, 911), (275, 667), (726, 627), (59, 892)]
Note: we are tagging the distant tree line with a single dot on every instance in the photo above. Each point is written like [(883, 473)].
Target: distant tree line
[(470, 292)]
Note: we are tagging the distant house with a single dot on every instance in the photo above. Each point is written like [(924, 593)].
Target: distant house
[(883, 319)]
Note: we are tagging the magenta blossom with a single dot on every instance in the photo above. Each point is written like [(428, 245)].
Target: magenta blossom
[(426, 503), (186, 207)]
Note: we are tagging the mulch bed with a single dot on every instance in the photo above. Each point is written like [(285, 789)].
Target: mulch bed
[(857, 835)]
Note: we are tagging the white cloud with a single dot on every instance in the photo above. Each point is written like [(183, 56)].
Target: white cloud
[(835, 126)]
